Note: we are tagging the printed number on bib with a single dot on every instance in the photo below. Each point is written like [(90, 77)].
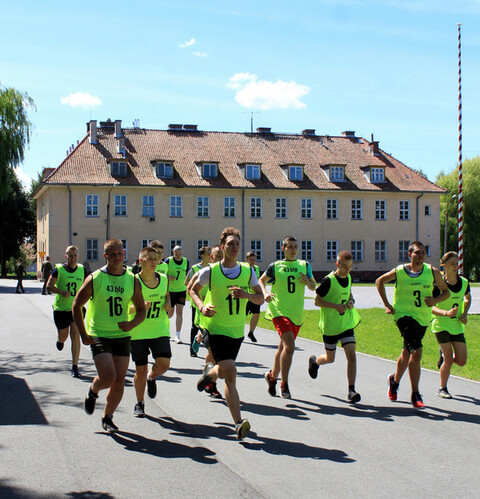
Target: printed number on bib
[(115, 305), (154, 310), (291, 284), (72, 287), (418, 298), (230, 300)]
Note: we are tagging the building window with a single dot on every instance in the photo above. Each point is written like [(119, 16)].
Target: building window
[(164, 170), (203, 210), (120, 204), (377, 175), (428, 211), (175, 206), (427, 250), (256, 245), (278, 250), (295, 173), (380, 251), (209, 170), (118, 169), (229, 207), (306, 208), (200, 244), (307, 252), (146, 242), (173, 243), (91, 249), (331, 209), (252, 172), (336, 174), (357, 250), (331, 247), (91, 205), (255, 207), (403, 250), (356, 209), (125, 248), (404, 210), (280, 207), (380, 210), (148, 207)]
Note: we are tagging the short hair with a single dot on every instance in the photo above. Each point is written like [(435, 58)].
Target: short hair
[(110, 243), (415, 244), (203, 250), (70, 248), (447, 256), (177, 248), (217, 247), (288, 239), (229, 231), (145, 251), (156, 244), (251, 253), (344, 255)]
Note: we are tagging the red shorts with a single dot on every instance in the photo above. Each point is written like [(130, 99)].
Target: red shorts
[(284, 324)]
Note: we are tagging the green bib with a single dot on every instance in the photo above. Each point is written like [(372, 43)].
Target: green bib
[(67, 281), (162, 268), (289, 292), (331, 322), (203, 291), (451, 324), (410, 293), (179, 272), (156, 323), (229, 319), (109, 303)]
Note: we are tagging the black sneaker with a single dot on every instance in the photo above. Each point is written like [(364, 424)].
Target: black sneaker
[(241, 429), (353, 396), (108, 424), (440, 360), (252, 337), (272, 384), (89, 404), (443, 393), (139, 410), (205, 378), (417, 401), (284, 391), (392, 388), (193, 353), (313, 366), (151, 388), (211, 389), (75, 372), (59, 345)]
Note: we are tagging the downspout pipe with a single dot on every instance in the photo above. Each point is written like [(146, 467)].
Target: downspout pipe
[(70, 240), (416, 216), (243, 224)]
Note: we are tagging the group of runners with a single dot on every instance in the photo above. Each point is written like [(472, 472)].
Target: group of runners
[(128, 314)]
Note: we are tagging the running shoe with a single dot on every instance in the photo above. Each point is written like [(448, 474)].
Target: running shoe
[(108, 424), (75, 372), (193, 353), (204, 378), (252, 337), (440, 360), (443, 393), (417, 401), (178, 340), (392, 388), (313, 366), (89, 404), (284, 391), (151, 388), (139, 410), (272, 384), (195, 345), (241, 429), (211, 389), (59, 345), (353, 396)]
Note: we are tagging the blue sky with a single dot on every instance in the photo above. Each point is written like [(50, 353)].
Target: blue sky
[(387, 67)]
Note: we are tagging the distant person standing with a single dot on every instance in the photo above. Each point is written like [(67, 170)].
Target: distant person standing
[(47, 269), (64, 282), (20, 272), (252, 308)]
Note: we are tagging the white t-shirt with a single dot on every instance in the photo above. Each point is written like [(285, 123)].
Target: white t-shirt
[(230, 272)]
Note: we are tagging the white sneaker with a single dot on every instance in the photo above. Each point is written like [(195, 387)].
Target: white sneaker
[(178, 340)]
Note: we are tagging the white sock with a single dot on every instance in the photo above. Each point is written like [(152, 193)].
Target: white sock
[(177, 334)]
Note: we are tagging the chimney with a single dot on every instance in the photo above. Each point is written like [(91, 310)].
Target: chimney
[(308, 132), (374, 147), (174, 127), (348, 133), (93, 132), (264, 130), (121, 146), (190, 128), (118, 129)]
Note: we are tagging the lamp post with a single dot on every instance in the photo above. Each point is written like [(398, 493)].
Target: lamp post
[(445, 232)]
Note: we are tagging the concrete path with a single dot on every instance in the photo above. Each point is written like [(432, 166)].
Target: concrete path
[(315, 445)]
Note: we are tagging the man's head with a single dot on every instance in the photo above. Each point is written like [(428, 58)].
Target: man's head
[(113, 252), (204, 253), (417, 252), (217, 254), (48, 258), (290, 248), (177, 252), (148, 258), (158, 245), (251, 257), (230, 242), (71, 255), (344, 263)]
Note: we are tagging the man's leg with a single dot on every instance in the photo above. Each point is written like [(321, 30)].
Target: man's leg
[(140, 381), (161, 366), (179, 317), (276, 360), (76, 344), (115, 393), (288, 341), (227, 370), (414, 369), (106, 372), (349, 350), (402, 364), (456, 356)]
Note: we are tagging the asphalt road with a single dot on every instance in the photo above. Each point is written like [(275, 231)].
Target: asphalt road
[(315, 445)]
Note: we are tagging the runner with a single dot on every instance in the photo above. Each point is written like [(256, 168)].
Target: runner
[(109, 291), (224, 318), (338, 318), (285, 309), (252, 308), (162, 267), (64, 282), (412, 311)]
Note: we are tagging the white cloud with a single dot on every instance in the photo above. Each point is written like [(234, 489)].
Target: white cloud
[(187, 44), (263, 94), (200, 54), (81, 99), (24, 178)]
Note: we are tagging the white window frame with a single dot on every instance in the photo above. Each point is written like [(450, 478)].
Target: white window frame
[(331, 212), (281, 208), (428, 210), (256, 245), (164, 169), (331, 250), (125, 248), (118, 168), (146, 242), (176, 208), (295, 173), (380, 251), (120, 204), (307, 250), (278, 250), (173, 243), (404, 210), (255, 207), (200, 244), (91, 205), (252, 172), (356, 248), (336, 173), (203, 207), (380, 209), (229, 207), (91, 250), (377, 175), (306, 209), (209, 170), (428, 250), (356, 209), (403, 251), (148, 206)]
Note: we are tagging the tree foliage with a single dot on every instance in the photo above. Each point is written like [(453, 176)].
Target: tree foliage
[(15, 129), (471, 214), (17, 219)]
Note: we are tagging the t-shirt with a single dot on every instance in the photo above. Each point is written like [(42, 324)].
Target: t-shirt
[(230, 272), (325, 285)]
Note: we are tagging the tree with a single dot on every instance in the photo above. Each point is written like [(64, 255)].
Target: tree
[(15, 131), (471, 214), (17, 219)]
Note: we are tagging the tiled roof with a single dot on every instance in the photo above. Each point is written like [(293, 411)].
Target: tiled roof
[(88, 163)]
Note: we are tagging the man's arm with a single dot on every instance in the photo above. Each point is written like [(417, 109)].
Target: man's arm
[(139, 305), (82, 297), (52, 287), (442, 286)]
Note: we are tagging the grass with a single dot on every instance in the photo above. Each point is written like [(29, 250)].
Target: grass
[(378, 335)]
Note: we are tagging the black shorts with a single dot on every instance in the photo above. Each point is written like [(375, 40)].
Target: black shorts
[(412, 333), (159, 347), (330, 340), (224, 347), (205, 338), (120, 347), (252, 308), (178, 297), (446, 337), (62, 318)]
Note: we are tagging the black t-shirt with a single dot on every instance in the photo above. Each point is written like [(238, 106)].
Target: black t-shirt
[(324, 286), (454, 288), (70, 270)]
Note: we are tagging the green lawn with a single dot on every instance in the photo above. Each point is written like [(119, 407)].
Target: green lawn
[(378, 335)]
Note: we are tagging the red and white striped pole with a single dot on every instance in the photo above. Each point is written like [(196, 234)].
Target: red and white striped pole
[(460, 190)]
